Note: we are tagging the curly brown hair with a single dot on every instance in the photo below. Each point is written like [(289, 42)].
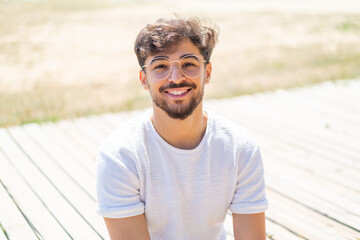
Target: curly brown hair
[(162, 35)]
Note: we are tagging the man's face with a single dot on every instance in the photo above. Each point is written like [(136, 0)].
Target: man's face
[(177, 94)]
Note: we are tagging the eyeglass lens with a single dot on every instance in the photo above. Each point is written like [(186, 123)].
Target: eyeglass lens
[(160, 68)]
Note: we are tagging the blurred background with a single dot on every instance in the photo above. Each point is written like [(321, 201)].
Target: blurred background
[(65, 59)]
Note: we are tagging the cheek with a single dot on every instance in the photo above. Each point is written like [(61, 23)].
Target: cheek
[(153, 86), (150, 85)]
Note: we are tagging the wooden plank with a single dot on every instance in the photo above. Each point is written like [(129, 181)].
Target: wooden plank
[(338, 114), (302, 126), (111, 120), (330, 171), (265, 129), (260, 121), (71, 147), (296, 137), (320, 123), (45, 189), (339, 199), (336, 204), (342, 92), (315, 160), (308, 158), (304, 221), (277, 232), (284, 114), (120, 118), (12, 219), (346, 158), (289, 179), (102, 125), (30, 203), (326, 124), (273, 104), (77, 197), (74, 132), (312, 162), (80, 176), (2, 233), (91, 131), (333, 98), (273, 230)]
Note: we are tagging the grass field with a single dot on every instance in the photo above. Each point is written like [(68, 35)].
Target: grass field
[(64, 59)]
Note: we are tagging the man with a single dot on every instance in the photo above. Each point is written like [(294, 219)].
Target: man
[(174, 172)]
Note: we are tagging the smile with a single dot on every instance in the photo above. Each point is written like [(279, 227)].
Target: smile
[(178, 93)]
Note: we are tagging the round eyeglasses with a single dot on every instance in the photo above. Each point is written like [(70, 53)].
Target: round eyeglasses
[(160, 68)]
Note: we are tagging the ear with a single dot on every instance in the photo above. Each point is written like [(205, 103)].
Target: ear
[(208, 70), (143, 82)]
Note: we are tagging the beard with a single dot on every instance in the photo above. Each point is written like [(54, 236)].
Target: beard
[(178, 110)]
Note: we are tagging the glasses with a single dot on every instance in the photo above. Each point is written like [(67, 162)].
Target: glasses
[(161, 67)]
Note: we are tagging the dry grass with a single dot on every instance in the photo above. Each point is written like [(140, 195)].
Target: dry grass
[(61, 59)]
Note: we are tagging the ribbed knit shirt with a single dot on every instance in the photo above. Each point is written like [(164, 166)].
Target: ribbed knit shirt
[(185, 194)]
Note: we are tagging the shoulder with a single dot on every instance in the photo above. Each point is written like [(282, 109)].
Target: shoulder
[(118, 153), (126, 136), (231, 132), (120, 148)]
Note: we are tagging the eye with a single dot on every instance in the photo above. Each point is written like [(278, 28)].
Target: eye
[(189, 64), (161, 66)]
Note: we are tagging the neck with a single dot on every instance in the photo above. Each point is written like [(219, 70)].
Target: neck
[(183, 134)]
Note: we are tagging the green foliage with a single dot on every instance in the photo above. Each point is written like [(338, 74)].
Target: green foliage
[(348, 26)]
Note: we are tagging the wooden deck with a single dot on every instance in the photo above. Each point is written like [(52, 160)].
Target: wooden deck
[(310, 140)]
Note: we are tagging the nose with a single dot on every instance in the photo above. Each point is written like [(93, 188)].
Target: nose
[(175, 74)]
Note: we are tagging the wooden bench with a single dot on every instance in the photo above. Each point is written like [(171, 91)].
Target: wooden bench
[(310, 142)]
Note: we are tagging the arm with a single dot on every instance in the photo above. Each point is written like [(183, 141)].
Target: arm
[(118, 197), (249, 226), (133, 228)]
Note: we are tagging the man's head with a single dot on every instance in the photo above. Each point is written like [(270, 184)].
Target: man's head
[(174, 56), (164, 34)]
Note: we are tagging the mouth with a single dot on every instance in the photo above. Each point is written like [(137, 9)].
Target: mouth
[(178, 92)]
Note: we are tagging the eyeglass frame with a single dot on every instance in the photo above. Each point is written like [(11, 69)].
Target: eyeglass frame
[(162, 57)]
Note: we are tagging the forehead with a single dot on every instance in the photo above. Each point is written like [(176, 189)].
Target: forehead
[(182, 48)]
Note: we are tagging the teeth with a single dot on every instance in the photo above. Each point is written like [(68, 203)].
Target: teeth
[(177, 92)]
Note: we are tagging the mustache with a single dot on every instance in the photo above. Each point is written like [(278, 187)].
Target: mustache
[(175, 85)]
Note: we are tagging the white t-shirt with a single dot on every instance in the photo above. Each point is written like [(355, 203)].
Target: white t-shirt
[(184, 194)]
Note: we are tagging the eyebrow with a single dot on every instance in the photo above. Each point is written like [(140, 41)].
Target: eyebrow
[(161, 57), (188, 55)]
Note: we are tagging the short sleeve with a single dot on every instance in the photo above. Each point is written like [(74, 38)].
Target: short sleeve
[(118, 187), (249, 196)]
